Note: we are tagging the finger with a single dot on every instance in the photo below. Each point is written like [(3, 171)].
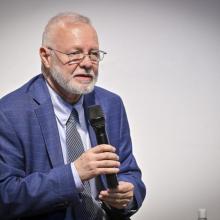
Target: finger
[(123, 187), (127, 195), (101, 171), (108, 164), (103, 148), (116, 201), (107, 156)]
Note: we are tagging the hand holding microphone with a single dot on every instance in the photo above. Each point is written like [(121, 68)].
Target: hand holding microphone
[(98, 160), (97, 120), (101, 159)]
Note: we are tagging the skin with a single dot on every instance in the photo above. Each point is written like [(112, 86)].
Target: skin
[(100, 159)]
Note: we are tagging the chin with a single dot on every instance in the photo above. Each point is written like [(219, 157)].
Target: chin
[(80, 89), (87, 89)]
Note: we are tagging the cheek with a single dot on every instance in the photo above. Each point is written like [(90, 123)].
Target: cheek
[(95, 69), (65, 72)]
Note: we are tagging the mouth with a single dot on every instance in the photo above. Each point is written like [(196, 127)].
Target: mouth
[(83, 78)]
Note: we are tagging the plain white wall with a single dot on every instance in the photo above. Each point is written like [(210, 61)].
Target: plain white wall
[(163, 59)]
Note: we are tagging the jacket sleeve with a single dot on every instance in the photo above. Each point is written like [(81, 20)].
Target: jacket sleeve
[(129, 170), (22, 194)]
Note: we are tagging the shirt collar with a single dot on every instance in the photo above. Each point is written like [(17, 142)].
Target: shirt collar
[(62, 109)]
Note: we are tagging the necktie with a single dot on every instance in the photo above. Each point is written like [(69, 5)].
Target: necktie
[(86, 208)]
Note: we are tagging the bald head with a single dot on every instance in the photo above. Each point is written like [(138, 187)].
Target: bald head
[(59, 22)]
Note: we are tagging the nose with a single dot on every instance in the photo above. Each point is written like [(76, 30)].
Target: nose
[(86, 62)]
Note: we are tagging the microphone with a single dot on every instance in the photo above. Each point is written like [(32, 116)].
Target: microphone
[(97, 120)]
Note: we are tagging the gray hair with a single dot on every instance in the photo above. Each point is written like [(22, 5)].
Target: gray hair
[(59, 20)]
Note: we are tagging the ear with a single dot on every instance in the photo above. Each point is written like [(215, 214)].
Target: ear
[(45, 56)]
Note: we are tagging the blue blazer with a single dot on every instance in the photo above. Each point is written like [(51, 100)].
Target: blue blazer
[(34, 181)]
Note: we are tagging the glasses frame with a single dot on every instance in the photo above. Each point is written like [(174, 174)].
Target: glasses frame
[(103, 53)]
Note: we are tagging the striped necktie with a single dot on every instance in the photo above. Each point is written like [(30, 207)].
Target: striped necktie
[(86, 209)]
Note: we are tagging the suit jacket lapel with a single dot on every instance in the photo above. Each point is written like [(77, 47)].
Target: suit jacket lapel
[(46, 117), (47, 121)]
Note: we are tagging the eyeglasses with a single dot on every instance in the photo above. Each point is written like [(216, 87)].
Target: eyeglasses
[(77, 56)]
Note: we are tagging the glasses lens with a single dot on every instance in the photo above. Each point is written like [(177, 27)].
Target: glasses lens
[(95, 56), (75, 57)]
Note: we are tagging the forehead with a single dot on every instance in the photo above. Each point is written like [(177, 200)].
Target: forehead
[(75, 35)]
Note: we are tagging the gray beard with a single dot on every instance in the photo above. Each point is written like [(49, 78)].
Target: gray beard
[(73, 88)]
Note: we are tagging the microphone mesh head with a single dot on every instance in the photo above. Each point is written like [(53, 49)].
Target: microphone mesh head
[(95, 112)]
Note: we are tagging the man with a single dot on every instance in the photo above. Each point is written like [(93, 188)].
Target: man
[(38, 178)]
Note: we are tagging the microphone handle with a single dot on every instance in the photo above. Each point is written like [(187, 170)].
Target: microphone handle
[(111, 179)]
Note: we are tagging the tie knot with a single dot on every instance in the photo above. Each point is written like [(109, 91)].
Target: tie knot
[(74, 117)]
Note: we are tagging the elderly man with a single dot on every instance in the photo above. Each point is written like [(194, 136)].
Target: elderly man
[(51, 166)]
